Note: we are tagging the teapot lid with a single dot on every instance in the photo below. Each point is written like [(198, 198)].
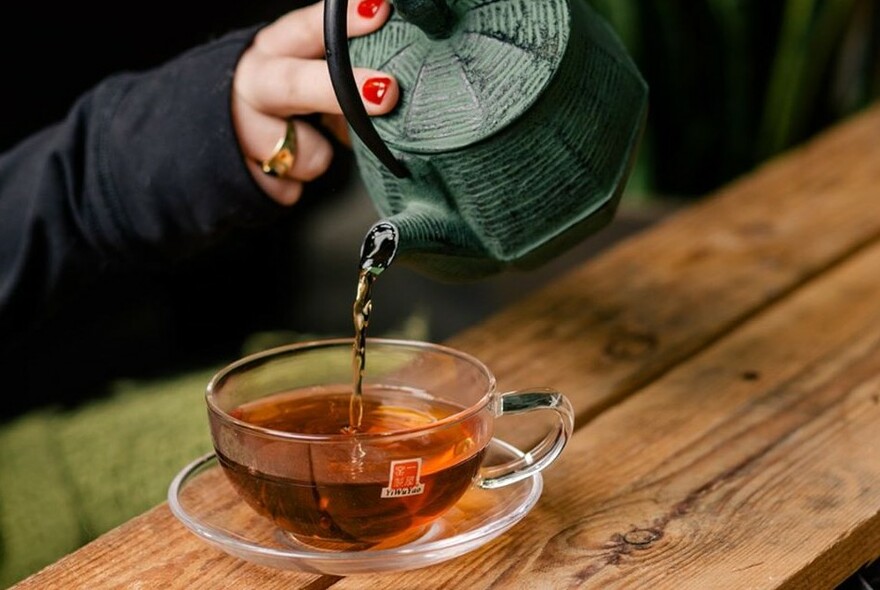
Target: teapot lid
[(465, 83)]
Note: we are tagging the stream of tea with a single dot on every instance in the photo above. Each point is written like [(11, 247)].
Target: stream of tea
[(377, 252)]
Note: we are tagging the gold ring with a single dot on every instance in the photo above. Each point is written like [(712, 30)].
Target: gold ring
[(282, 160)]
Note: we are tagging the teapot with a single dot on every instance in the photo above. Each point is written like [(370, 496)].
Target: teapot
[(516, 129)]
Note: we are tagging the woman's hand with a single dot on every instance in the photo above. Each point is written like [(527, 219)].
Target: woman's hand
[(283, 74)]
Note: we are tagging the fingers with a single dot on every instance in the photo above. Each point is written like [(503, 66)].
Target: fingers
[(292, 86), (283, 75), (313, 154), (300, 33), (282, 190), (313, 150), (338, 127)]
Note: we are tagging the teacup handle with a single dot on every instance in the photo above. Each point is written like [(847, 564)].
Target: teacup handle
[(543, 453)]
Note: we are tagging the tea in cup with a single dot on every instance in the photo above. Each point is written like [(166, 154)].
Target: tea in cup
[(343, 472)]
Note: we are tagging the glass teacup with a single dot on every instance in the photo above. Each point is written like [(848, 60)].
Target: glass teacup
[(340, 472)]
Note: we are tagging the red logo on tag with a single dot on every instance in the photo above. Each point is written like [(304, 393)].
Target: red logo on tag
[(405, 474), (403, 480)]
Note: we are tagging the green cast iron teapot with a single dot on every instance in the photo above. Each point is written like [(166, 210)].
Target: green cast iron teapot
[(515, 132)]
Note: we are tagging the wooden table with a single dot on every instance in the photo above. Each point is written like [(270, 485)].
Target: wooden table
[(725, 369)]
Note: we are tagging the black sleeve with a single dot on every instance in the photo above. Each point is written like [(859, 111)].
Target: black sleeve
[(143, 170)]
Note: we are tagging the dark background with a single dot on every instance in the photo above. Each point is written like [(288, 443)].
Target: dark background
[(53, 51)]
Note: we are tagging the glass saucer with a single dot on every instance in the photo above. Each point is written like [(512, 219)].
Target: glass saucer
[(203, 500)]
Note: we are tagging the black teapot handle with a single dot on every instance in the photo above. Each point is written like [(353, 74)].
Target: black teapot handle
[(339, 63)]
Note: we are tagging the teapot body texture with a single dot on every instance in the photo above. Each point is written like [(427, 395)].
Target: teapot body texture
[(518, 125)]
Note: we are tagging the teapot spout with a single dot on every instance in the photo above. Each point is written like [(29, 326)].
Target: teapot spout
[(437, 243)]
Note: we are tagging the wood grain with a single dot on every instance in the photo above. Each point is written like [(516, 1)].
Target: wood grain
[(724, 366), (737, 469), (622, 319), (154, 551)]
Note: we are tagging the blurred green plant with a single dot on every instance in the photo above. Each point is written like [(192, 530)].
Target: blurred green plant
[(734, 82)]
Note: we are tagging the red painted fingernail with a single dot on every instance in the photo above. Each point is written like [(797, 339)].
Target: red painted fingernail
[(375, 88), (369, 8)]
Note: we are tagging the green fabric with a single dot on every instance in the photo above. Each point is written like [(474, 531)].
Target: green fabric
[(68, 476)]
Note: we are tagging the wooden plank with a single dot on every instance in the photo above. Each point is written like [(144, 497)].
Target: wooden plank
[(615, 323), (599, 334), (154, 550), (756, 464)]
